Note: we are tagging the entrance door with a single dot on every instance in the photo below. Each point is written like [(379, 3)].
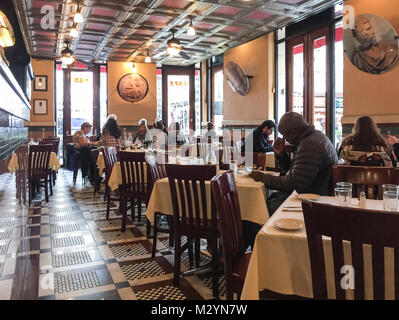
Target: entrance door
[(81, 100), (178, 85), (308, 76)]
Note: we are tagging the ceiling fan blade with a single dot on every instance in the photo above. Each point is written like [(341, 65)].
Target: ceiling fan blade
[(184, 55)]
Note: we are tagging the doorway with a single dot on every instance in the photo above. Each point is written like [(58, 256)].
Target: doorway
[(178, 88)]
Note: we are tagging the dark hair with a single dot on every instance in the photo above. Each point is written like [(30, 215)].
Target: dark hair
[(210, 126), (111, 127), (159, 125), (365, 136), (268, 123)]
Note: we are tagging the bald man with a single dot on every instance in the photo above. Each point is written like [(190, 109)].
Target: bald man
[(310, 168), (372, 57)]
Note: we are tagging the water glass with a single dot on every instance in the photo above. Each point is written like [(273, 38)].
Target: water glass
[(390, 187), (344, 196), (344, 185), (234, 166), (390, 200)]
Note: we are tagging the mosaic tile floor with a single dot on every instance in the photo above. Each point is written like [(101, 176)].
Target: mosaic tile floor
[(66, 249)]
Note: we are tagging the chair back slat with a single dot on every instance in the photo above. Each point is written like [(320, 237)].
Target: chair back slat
[(134, 173), (38, 161), (157, 171), (369, 179), (111, 156), (357, 226), (225, 194), (189, 198)]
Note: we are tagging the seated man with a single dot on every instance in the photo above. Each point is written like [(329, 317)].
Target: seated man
[(83, 145), (309, 170), (260, 137)]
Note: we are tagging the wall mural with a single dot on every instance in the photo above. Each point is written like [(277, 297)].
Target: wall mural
[(132, 87), (372, 46)]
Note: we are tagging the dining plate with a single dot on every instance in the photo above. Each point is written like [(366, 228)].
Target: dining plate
[(308, 196), (289, 224)]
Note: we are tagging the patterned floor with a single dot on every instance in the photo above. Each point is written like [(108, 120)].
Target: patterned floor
[(66, 249)]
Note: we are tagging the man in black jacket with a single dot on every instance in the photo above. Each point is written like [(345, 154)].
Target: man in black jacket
[(260, 137), (308, 171)]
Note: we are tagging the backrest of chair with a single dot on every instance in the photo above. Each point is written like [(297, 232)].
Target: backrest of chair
[(110, 157), (157, 171), (133, 171), (225, 194), (359, 226), (22, 153), (189, 197), (38, 160), (94, 154), (370, 179), (54, 142)]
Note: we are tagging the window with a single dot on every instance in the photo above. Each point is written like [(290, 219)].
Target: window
[(218, 99), (159, 93), (103, 96)]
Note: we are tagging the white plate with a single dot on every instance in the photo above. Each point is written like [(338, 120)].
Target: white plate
[(308, 196), (289, 224)]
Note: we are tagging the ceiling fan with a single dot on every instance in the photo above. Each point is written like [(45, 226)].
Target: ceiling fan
[(174, 47)]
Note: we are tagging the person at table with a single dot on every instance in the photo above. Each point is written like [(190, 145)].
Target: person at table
[(83, 146), (260, 137), (143, 136), (159, 137), (210, 132), (308, 171), (112, 135), (394, 143), (175, 136), (366, 138)]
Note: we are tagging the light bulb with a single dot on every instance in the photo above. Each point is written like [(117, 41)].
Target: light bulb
[(134, 69), (147, 59), (78, 18), (191, 30), (67, 60), (173, 51), (74, 33)]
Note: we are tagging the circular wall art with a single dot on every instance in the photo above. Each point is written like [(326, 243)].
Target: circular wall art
[(372, 45), (132, 87)]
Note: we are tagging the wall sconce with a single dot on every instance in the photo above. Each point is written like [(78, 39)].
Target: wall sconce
[(7, 38)]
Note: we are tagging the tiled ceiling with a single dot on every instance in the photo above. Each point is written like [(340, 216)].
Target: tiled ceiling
[(123, 30)]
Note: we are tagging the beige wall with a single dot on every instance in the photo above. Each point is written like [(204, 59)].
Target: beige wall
[(129, 114), (43, 67), (257, 59), (366, 94)]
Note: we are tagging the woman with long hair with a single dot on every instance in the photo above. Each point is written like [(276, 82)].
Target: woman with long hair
[(112, 135), (366, 138)]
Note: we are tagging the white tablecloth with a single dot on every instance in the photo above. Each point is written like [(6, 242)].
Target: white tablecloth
[(251, 196), (280, 260)]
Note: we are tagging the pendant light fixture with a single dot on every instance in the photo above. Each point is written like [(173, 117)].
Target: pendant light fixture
[(74, 32), (67, 56), (147, 58), (78, 18), (191, 29), (174, 46), (134, 69)]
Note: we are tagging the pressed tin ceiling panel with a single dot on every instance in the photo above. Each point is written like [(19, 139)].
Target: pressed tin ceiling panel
[(121, 30)]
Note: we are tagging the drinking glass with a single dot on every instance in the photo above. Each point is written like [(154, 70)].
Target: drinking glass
[(344, 196), (391, 188), (390, 200), (233, 166), (344, 185)]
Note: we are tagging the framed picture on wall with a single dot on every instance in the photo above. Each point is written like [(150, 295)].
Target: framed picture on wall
[(40, 83), (40, 106)]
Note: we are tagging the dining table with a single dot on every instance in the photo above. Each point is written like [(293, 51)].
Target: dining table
[(54, 163), (280, 259)]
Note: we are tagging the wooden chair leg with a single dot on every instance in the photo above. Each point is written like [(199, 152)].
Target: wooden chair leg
[(155, 235), (75, 175), (215, 286), (123, 209), (51, 183), (176, 276), (30, 193), (139, 211), (197, 252), (46, 188), (108, 197), (148, 228), (190, 247), (171, 233)]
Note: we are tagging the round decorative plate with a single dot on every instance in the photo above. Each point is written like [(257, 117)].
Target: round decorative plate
[(308, 196), (132, 87), (289, 224)]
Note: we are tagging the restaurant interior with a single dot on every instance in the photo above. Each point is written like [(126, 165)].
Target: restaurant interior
[(199, 149)]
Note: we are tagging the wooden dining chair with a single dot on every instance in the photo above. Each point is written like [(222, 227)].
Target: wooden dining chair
[(52, 173), (134, 183), (110, 158), (21, 175), (94, 155), (157, 172), (38, 168), (235, 259), (357, 226), (193, 219), (369, 179)]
